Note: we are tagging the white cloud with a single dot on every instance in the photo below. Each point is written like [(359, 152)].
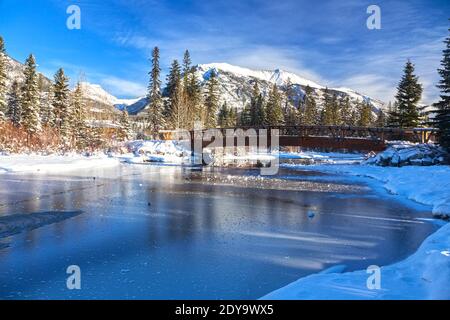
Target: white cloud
[(122, 87)]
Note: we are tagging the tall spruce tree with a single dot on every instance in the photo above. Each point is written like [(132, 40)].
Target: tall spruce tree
[(330, 111), (174, 113), (155, 110), (14, 106), (381, 119), (45, 101), (409, 93), (290, 112), (195, 106), (257, 108), (392, 115), (125, 131), (211, 100), (345, 111), (245, 117), (3, 75), (62, 106), (365, 114), (30, 98), (81, 130), (442, 119), (310, 114), (274, 110)]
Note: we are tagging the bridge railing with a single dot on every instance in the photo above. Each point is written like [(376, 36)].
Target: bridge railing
[(421, 135)]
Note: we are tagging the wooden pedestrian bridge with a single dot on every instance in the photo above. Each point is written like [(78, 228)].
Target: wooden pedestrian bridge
[(323, 137)]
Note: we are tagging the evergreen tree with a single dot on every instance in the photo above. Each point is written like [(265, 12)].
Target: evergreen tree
[(14, 107), (211, 100), (30, 98), (174, 113), (155, 116), (186, 67), (125, 132), (81, 130), (245, 118), (3, 89), (345, 111), (381, 119), (330, 111), (392, 115), (256, 109), (310, 115), (274, 111), (227, 116), (62, 108), (223, 116), (442, 119), (290, 113), (365, 114), (195, 107), (45, 102), (409, 93)]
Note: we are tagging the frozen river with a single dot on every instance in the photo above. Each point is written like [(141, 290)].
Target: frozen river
[(167, 232)]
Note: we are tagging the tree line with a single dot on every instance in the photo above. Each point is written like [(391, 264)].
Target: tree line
[(40, 108)]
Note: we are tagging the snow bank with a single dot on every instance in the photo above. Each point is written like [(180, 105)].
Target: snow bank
[(426, 185), (170, 151), (53, 163), (313, 157), (424, 275), (409, 154)]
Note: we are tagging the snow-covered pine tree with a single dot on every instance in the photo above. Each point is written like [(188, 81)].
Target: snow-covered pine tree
[(80, 128), (62, 107), (3, 89), (442, 119), (409, 93), (211, 100), (274, 110), (155, 110), (30, 98), (14, 106), (174, 113), (125, 132), (310, 114)]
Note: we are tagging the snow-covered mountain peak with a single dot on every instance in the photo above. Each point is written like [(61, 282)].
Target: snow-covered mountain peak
[(277, 76), (97, 93)]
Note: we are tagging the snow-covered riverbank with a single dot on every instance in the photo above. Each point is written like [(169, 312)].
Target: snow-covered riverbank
[(34, 163), (424, 275)]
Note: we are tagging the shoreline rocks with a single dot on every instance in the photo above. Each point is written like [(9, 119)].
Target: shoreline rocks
[(399, 155)]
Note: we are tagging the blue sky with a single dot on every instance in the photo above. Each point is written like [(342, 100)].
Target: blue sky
[(325, 41)]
